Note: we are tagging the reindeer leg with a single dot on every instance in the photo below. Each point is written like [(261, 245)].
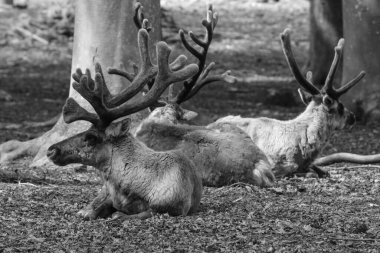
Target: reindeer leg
[(312, 172), (320, 172), (132, 207), (101, 206), (120, 216)]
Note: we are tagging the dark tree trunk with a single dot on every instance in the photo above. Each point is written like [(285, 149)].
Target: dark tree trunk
[(326, 28), (362, 52)]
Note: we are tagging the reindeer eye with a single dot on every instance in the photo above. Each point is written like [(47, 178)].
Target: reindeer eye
[(328, 101), (92, 139)]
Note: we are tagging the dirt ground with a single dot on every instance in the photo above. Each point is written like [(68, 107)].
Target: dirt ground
[(336, 214)]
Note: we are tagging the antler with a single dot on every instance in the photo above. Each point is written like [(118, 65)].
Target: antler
[(200, 79), (287, 48), (307, 83), (96, 93)]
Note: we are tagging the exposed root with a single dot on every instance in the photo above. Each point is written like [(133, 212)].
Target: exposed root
[(347, 157), (14, 149), (49, 122)]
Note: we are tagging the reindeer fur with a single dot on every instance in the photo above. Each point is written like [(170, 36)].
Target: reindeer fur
[(221, 156)]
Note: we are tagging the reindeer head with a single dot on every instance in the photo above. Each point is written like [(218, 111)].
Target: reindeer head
[(91, 147), (326, 99), (95, 146)]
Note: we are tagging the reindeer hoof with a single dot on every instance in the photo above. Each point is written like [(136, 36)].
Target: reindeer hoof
[(320, 172), (87, 214)]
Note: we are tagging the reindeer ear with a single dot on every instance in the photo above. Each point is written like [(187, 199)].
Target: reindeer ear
[(189, 115), (306, 97), (118, 128)]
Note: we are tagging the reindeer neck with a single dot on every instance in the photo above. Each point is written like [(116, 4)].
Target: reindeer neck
[(314, 122)]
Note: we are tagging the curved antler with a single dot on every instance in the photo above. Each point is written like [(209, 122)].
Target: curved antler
[(287, 48), (328, 86), (339, 92)]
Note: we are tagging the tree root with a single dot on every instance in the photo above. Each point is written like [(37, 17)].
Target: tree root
[(46, 123), (347, 157), (37, 147), (14, 149)]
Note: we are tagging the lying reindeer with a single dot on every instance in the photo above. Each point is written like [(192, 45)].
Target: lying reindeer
[(292, 146), (137, 179), (223, 155)]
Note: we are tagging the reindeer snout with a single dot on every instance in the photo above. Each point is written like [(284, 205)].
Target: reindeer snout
[(350, 119), (53, 152)]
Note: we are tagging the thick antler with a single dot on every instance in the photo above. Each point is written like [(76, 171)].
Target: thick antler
[(287, 48), (96, 93), (307, 83), (201, 78)]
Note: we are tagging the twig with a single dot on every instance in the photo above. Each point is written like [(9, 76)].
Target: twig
[(236, 200), (29, 184), (49, 122), (232, 185), (27, 33)]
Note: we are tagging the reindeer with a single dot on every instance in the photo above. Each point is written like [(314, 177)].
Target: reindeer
[(292, 146), (138, 181), (223, 155)]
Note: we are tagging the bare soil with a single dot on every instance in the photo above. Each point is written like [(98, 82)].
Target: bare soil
[(337, 214)]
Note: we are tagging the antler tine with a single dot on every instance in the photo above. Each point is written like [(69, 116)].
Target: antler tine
[(328, 87), (205, 79), (226, 77), (104, 89), (139, 19), (120, 72), (339, 92), (165, 77), (287, 49), (72, 111)]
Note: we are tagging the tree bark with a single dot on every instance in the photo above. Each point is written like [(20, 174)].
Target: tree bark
[(104, 33), (362, 52), (326, 28)]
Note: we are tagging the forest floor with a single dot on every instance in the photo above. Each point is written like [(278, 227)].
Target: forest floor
[(336, 214)]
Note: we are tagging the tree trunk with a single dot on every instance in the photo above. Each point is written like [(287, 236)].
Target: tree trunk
[(104, 33), (326, 28), (362, 52)]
